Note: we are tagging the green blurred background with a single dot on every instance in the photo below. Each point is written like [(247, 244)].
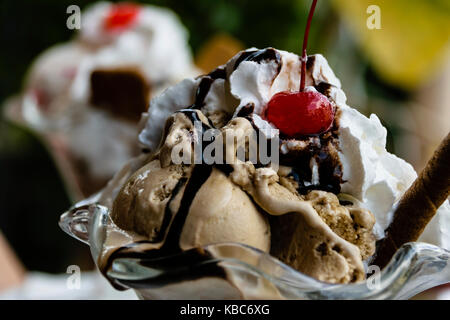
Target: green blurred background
[(392, 72)]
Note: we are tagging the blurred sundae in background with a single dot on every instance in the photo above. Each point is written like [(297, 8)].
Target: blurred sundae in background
[(85, 97)]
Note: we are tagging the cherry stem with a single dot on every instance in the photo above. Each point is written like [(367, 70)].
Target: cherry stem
[(305, 43)]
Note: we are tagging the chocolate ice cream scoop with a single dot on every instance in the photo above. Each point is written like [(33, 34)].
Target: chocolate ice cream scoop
[(202, 205), (149, 197), (222, 212)]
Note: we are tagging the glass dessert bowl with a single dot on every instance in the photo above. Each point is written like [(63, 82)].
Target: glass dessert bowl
[(238, 271)]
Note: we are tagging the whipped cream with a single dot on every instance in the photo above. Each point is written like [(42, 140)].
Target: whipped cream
[(51, 75), (371, 174), (437, 230), (174, 98), (250, 82), (111, 142)]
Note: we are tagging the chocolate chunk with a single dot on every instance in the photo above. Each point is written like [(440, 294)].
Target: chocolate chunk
[(124, 92)]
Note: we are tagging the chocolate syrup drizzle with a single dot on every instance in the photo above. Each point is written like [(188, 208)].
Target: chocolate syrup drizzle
[(193, 264), (168, 214), (168, 255), (197, 263), (267, 54), (205, 85), (200, 174), (324, 150)]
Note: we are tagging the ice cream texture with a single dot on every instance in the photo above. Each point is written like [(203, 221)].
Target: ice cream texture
[(320, 210)]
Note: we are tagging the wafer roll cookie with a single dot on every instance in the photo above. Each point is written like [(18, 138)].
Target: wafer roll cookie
[(419, 204)]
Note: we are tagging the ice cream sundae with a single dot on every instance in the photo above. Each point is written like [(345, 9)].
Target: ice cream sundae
[(89, 93), (321, 211), (320, 203)]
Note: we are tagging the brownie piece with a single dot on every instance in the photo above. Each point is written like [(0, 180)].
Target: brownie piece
[(122, 91)]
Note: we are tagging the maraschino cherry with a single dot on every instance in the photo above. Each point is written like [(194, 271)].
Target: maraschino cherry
[(304, 112), (121, 16)]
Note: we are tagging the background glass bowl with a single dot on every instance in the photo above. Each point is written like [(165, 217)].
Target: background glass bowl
[(237, 271)]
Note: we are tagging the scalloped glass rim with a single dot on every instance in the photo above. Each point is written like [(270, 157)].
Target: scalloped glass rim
[(415, 267)]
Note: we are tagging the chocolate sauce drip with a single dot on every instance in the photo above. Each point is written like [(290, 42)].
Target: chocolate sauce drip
[(205, 85), (267, 54), (324, 88), (302, 189), (126, 252), (191, 265), (323, 149), (170, 257), (302, 171), (218, 73), (168, 214), (170, 250), (345, 203), (200, 174), (225, 168), (330, 169), (246, 110), (310, 62), (192, 115)]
